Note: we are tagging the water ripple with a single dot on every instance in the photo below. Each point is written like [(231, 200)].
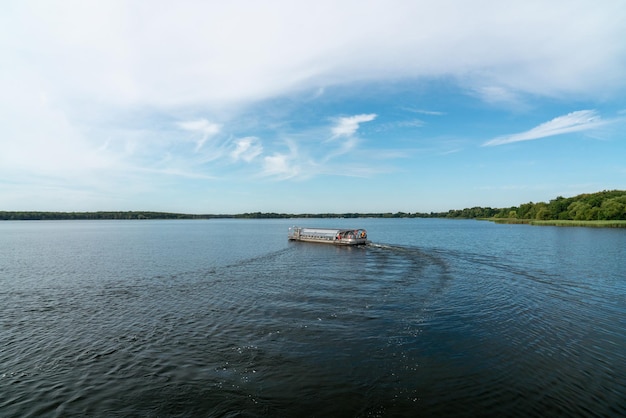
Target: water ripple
[(313, 330)]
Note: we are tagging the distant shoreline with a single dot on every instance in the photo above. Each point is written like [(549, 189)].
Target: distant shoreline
[(141, 215), (605, 209)]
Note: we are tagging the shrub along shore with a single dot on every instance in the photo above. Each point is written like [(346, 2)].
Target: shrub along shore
[(592, 224)]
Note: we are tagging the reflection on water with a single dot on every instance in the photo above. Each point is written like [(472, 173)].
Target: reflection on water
[(173, 319)]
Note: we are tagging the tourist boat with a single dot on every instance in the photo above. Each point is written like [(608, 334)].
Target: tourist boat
[(329, 235)]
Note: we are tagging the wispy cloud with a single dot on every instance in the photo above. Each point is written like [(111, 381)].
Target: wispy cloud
[(500, 96), (308, 156), (280, 165), (344, 135), (424, 111), (347, 126), (247, 149), (580, 120), (175, 172), (205, 128), (400, 124)]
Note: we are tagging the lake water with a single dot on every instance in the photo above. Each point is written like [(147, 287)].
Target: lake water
[(226, 318)]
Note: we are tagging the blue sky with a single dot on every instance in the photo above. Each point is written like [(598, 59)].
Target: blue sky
[(324, 106)]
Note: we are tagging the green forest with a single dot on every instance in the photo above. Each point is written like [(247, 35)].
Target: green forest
[(600, 206)]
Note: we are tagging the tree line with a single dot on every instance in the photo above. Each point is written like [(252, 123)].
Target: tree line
[(604, 205), (47, 216), (601, 206), (128, 215)]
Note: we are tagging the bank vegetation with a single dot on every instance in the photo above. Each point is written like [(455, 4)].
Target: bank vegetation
[(604, 209)]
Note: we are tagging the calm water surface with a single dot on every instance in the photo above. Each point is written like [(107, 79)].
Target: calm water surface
[(226, 318)]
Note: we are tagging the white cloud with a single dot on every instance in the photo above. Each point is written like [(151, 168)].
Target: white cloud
[(202, 126), (169, 54), (347, 126), (424, 112), (247, 149), (580, 120), (279, 165), (39, 137), (498, 95)]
